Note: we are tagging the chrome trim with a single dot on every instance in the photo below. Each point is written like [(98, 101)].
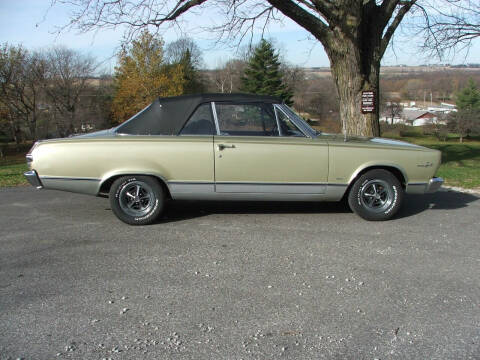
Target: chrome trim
[(265, 188), (276, 119), (69, 178), (294, 121), (185, 189), (88, 186), (32, 178), (215, 118), (433, 185), (298, 121), (205, 190)]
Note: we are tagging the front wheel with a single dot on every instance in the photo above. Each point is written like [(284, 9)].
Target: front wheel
[(376, 195), (137, 200)]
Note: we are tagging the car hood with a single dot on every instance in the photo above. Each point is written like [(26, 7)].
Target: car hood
[(370, 141)]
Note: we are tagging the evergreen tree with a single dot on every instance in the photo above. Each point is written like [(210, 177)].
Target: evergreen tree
[(467, 119), (263, 76), (469, 97), (192, 82)]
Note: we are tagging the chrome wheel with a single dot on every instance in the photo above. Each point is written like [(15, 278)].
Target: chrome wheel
[(376, 195), (136, 199)]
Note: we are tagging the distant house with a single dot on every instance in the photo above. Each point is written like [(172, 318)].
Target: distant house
[(426, 118)]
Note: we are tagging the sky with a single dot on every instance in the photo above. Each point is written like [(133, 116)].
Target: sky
[(34, 24)]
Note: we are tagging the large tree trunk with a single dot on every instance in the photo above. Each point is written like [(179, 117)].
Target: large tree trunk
[(353, 73)]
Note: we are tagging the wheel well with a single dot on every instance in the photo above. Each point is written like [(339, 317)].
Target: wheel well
[(397, 173), (107, 184)]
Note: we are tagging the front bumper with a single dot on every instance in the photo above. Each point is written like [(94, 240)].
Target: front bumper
[(433, 185), (33, 179)]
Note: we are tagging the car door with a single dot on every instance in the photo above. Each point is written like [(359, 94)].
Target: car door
[(260, 150)]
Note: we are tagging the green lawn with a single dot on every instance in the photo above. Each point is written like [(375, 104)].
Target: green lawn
[(12, 174), (460, 161)]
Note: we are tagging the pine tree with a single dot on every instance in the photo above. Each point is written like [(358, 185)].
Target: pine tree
[(191, 77), (467, 119), (469, 97), (263, 76)]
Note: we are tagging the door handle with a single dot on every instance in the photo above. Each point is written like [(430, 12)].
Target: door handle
[(224, 146)]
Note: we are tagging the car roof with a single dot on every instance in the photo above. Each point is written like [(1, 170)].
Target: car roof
[(167, 115), (221, 97)]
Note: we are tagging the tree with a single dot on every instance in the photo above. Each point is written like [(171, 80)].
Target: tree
[(467, 119), (454, 25), (66, 77), (142, 75), (227, 77), (354, 33), (176, 50), (393, 110), (20, 79), (469, 97), (186, 53), (262, 74), (192, 83)]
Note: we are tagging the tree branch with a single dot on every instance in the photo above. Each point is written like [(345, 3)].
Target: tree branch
[(390, 6), (303, 18)]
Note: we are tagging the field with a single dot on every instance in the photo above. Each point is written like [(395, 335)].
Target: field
[(460, 161)]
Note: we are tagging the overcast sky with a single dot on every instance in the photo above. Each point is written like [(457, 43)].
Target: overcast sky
[(33, 23)]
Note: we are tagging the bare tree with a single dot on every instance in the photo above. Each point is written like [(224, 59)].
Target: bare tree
[(227, 78), (175, 52), (66, 77), (393, 110), (451, 25), (20, 86)]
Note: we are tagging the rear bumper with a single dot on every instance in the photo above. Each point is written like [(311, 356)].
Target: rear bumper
[(33, 179), (433, 185)]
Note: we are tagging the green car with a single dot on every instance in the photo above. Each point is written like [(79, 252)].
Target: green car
[(231, 147)]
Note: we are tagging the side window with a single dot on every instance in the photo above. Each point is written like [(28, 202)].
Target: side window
[(200, 123), (246, 119), (287, 127)]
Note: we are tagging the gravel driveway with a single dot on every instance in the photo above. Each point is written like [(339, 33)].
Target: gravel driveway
[(238, 280)]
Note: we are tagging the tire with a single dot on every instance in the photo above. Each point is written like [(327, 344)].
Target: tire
[(377, 195), (137, 200)]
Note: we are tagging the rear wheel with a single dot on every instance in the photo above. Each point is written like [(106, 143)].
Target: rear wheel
[(137, 200), (376, 195)]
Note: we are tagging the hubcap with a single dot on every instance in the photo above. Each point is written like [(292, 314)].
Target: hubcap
[(376, 195), (136, 199)]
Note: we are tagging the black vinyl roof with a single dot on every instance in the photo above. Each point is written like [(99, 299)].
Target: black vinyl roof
[(167, 115)]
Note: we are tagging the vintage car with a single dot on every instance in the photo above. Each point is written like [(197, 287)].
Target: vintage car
[(231, 147)]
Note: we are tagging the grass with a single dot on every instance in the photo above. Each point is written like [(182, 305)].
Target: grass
[(460, 161), (12, 174)]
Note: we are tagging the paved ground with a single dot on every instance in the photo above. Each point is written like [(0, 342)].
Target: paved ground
[(238, 281)]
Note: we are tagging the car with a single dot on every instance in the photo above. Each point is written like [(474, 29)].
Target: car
[(231, 147)]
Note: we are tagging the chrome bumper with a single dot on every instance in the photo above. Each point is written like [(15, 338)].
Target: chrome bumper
[(433, 185), (33, 179)]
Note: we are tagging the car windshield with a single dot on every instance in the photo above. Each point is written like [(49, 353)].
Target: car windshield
[(299, 120)]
